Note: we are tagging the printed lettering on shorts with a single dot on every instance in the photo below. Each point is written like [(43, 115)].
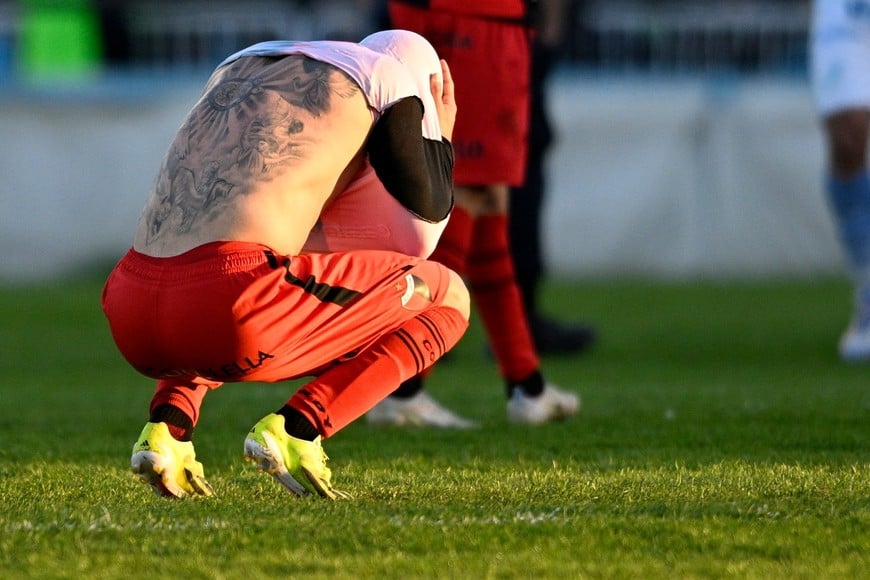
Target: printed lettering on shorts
[(229, 371), (445, 40), (472, 149)]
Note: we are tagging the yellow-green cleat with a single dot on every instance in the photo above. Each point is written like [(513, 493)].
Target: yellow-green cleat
[(298, 465), (169, 466)]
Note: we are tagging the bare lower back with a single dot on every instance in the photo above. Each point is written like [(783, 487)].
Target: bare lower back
[(265, 146)]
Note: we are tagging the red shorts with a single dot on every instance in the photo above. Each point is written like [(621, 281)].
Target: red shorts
[(489, 60), (231, 311)]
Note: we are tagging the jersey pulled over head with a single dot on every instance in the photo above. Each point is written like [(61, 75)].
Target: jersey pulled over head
[(421, 60)]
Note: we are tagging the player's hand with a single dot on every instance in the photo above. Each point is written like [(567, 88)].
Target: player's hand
[(445, 100)]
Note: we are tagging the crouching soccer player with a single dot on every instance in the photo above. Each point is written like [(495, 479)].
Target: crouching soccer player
[(217, 287)]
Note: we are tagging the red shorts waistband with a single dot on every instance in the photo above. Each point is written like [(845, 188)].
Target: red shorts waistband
[(202, 261)]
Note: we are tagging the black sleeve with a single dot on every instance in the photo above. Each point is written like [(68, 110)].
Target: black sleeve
[(418, 172)]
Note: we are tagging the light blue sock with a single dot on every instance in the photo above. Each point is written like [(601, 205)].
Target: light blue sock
[(850, 202)]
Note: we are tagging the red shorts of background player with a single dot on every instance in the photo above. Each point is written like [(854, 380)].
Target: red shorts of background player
[(234, 311), (489, 60)]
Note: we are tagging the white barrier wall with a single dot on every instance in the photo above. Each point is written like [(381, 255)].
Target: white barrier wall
[(648, 178), (678, 179), (75, 173)]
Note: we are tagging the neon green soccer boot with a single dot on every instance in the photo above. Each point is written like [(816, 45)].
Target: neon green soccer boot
[(298, 465), (169, 466)]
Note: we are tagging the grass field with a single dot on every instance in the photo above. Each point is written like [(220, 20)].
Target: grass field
[(720, 437)]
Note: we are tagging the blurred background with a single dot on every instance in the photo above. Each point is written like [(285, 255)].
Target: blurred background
[(686, 144)]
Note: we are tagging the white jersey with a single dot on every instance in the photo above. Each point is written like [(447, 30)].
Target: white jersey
[(387, 66), (383, 78), (840, 54)]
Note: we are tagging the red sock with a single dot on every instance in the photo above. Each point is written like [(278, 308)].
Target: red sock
[(452, 251), (497, 297), (184, 394), (453, 247), (348, 390)]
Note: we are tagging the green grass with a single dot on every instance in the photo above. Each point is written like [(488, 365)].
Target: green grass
[(720, 437)]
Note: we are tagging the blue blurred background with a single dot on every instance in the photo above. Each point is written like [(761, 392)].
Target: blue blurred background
[(686, 145)]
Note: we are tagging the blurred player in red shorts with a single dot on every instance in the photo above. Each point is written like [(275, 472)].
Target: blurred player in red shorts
[(487, 43), (552, 335)]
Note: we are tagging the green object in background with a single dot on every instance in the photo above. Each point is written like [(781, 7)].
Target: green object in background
[(60, 39)]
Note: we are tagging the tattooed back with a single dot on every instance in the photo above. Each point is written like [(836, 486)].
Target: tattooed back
[(258, 156)]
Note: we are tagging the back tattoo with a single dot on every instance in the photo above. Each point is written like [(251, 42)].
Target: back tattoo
[(244, 130)]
